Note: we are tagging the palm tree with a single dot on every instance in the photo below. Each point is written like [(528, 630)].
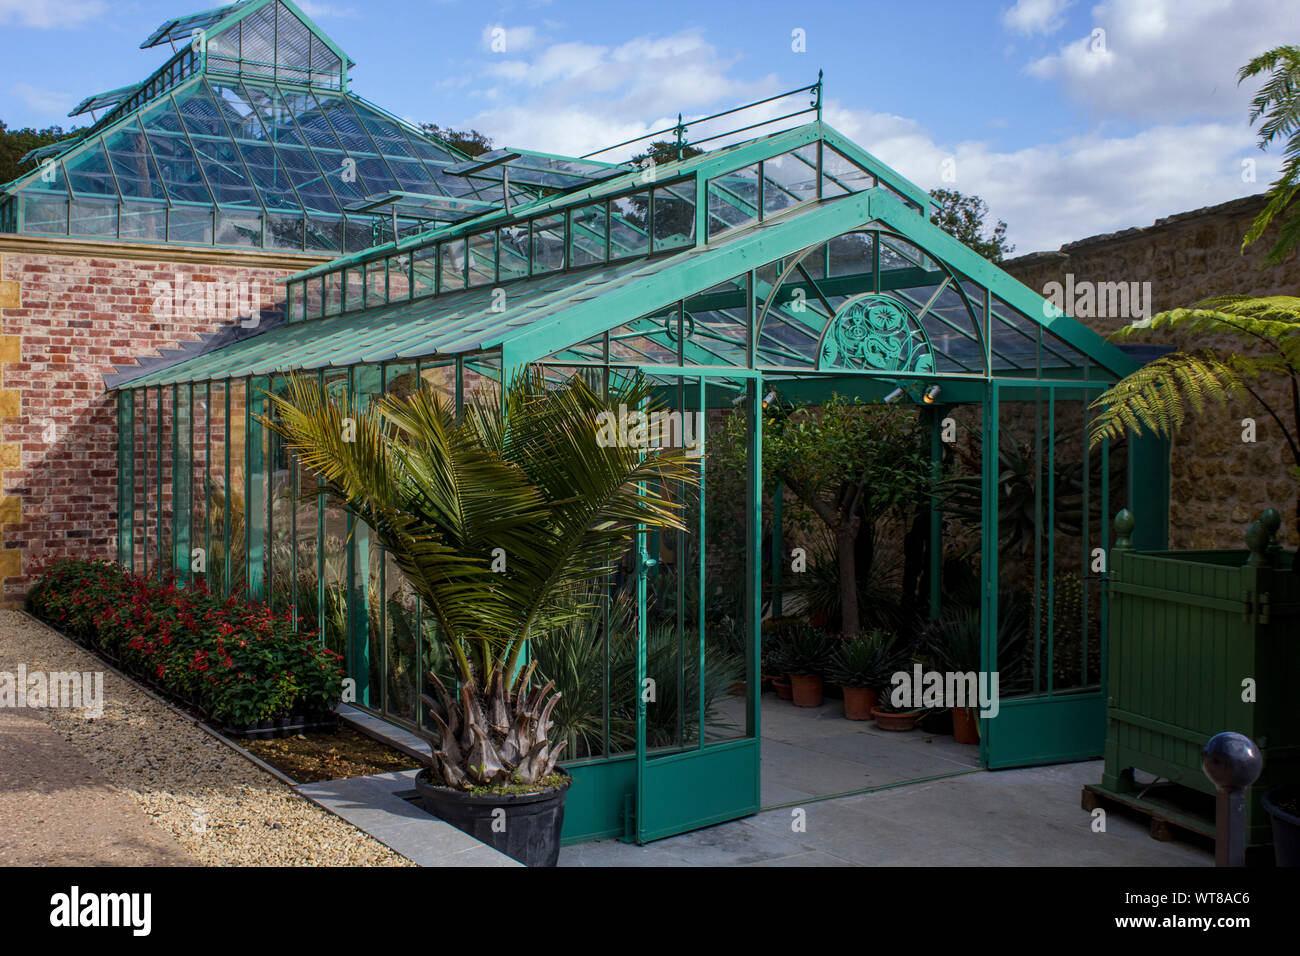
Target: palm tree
[(1156, 396), (493, 516), (1278, 105)]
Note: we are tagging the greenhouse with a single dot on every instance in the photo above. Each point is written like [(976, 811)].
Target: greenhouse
[(788, 270)]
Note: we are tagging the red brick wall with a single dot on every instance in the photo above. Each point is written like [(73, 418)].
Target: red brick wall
[(65, 320)]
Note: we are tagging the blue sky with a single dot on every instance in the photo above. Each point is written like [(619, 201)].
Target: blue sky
[(1066, 131)]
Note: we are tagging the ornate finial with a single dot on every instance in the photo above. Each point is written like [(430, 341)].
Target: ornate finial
[(1124, 525), (1272, 521), (1257, 542)]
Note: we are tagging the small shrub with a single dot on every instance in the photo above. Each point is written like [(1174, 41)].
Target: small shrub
[(240, 662)]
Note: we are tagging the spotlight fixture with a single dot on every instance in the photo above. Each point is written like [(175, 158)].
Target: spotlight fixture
[(894, 397), (769, 398), (740, 399), (931, 395)]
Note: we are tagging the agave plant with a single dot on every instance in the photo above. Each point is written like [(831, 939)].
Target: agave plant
[(868, 660), (492, 515)]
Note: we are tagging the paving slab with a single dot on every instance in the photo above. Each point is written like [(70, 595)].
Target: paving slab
[(376, 805)]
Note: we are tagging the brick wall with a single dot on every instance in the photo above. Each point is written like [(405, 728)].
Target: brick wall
[(69, 312), (1219, 483)]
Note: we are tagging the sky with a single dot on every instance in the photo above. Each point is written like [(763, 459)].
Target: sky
[(1069, 118)]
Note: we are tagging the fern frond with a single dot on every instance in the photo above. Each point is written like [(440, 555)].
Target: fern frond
[(1154, 398)]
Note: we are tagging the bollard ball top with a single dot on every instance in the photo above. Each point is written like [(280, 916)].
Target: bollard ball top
[(1231, 761)]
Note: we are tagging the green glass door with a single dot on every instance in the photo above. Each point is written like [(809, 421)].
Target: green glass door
[(697, 721), (1045, 547)]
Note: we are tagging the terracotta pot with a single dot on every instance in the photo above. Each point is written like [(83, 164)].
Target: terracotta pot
[(807, 690), (965, 725), (783, 689), (886, 720), (859, 702)]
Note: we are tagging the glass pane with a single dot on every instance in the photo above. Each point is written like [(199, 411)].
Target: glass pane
[(628, 235), (589, 233), (733, 200), (674, 215), (334, 604), (452, 256), (548, 244), (790, 179), (353, 289), (424, 270), (482, 258), (512, 244), (399, 278)]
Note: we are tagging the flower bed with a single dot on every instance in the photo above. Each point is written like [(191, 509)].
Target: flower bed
[(230, 660)]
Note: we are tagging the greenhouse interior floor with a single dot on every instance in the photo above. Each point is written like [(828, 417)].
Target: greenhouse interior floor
[(932, 806)]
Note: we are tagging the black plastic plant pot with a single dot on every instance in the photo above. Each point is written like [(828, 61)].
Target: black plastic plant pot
[(1283, 806), (528, 831)]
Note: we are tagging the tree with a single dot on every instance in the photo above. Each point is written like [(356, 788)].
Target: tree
[(493, 527), (15, 143), (962, 217), (1278, 105), (851, 465), (663, 151), (1155, 397), (469, 141)]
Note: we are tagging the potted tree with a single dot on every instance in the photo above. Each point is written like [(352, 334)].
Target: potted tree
[(803, 654), (861, 667), (493, 515)]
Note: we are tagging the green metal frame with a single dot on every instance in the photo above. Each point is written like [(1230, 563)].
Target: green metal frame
[(696, 316)]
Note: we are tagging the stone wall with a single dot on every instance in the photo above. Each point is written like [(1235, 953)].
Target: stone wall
[(1219, 483), (69, 312)]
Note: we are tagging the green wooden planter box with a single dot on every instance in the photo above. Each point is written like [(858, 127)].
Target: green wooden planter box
[(1187, 628)]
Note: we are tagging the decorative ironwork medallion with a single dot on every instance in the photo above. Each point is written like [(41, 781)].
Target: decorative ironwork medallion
[(875, 331)]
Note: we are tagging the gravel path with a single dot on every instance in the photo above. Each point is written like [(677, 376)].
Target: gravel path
[(217, 806)]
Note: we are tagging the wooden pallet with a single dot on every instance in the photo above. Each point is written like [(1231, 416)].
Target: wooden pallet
[(1172, 812)]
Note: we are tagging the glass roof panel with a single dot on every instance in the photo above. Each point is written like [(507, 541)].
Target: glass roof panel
[(537, 169), (137, 176), (180, 29), (103, 100), (176, 160), (91, 174)]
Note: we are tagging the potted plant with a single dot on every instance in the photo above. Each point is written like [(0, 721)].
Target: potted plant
[(803, 654), (862, 666), (492, 515), (889, 717), (956, 640)]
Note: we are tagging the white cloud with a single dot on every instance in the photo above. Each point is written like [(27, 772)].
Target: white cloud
[(326, 11), (571, 98), (41, 100), (1056, 192), (50, 14), (1036, 16), (1167, 60)]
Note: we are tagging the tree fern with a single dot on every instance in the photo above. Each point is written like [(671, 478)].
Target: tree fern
[(1278, 104), (1157, 397)]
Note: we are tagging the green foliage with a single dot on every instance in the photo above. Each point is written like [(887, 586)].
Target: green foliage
[(868, 660), (802, 650), (1156, 397), (16, 143), (469, 142), (447, 495), (242, 663), (963, 217), (1278, 104)]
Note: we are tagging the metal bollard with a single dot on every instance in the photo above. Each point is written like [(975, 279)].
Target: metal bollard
[(1233, 763)]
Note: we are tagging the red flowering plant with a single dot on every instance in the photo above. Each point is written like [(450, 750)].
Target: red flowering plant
[(238, 661)]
